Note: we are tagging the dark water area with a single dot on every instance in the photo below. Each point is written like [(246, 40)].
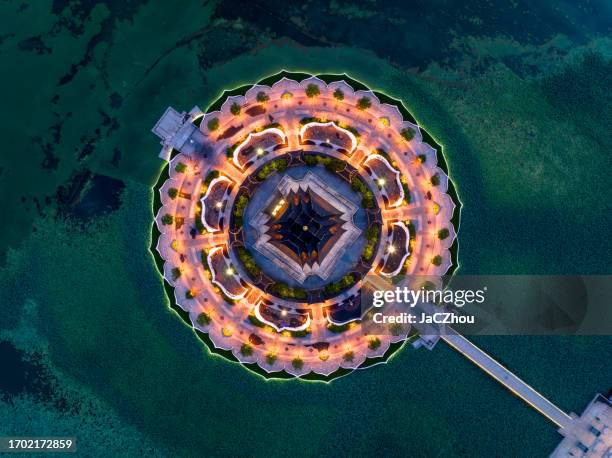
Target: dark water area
[(89, 196), (22, 375), (516, 92)]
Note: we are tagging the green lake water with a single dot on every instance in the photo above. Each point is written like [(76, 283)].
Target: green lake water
[(518, 95)]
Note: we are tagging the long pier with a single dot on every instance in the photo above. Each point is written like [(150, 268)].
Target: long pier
[(506, 378)]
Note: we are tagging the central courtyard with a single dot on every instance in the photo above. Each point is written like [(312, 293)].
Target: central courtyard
[(279, 200)]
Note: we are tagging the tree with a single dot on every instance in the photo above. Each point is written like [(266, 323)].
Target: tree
[(235, 109), (364, 103), (339, 94), (246, 350), (262, 97), (270, 359), (422, 158), (167, 219), (435, 180), (374, 343), (172, 193), (443, 233), (203, 319), (176, 273), (190, 294), (297, 363), (395, 329), (312, 90), (180, 167), (348, 356), (213, 124), (407, 133), (436, 260), (211, 176)]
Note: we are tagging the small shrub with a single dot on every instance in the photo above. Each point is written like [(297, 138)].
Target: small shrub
[(435, 180), (364, 103), (311, 160), (339, 94), (180, 167), (407, 133), (190, 294), (213, 124), (246, 350), (349, 356), (395, 329), (374, 343), (337, 328), (436, 260), (211, 176), (411, 229), (172, 193), (203, 319), (422, 158), (271, 359), (167, 219), (176, 273), (407, 195), (309, 119), (312, 90), (443, 233), (297, 363), (235, 109), (262, 97)]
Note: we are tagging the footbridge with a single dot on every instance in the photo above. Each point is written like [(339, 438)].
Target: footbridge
[(500, 373)]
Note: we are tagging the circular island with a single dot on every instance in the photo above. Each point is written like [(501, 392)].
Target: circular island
[(278, 202)]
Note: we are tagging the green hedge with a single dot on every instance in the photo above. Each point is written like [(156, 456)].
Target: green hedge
[(372, 234), (248, 261), (334, 288), (287, 292)]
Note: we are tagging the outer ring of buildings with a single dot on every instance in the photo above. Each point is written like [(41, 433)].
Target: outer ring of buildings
[(389, 142)]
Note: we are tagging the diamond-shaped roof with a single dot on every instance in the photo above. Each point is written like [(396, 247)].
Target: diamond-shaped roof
[(305, 227)]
